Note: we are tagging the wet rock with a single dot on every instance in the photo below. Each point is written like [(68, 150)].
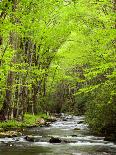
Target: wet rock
[(81, 122), (69, 117), (48, 124), (77, 129), (69, 141), (52, 119), (16, 139), (57, 115), (74, 135), (10, 134), (31, 138), (55, 140), (65, 119)]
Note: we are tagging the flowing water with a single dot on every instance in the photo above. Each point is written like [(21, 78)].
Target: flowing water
[(71, 129)]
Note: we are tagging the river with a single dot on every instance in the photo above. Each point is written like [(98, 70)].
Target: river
[(75, 136)]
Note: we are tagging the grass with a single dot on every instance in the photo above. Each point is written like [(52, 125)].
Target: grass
[(29, 120), (10, 124)]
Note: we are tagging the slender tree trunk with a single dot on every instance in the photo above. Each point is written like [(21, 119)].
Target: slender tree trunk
[(6, 109)]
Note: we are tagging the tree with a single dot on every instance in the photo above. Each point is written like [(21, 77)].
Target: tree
[(88, 57), (32, 39)]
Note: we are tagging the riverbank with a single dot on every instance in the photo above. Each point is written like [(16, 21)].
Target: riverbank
[(14, 128)]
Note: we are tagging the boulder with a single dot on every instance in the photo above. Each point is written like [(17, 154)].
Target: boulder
[(55, 140), (52, 119), (31, 138), (48, 124), (57, 115), (40, 121), (74, 135), (65, 119), (80, 122), (77, 129)]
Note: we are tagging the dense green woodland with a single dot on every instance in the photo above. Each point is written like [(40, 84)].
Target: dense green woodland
[(59, 56)]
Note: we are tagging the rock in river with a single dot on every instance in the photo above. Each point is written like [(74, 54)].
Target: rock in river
[(55, 140), (31, 138), (77, 129)]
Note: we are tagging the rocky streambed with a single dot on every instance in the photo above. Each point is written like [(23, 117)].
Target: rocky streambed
[(67, 136)]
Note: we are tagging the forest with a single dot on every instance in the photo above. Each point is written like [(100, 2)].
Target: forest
[(58, 56)]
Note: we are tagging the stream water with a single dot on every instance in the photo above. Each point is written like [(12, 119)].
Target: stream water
[(68, 128)]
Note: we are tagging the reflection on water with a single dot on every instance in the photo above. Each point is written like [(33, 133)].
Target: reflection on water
[(72, 130)]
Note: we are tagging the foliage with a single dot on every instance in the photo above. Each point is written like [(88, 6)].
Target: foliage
[(101, 111), (88, 59), (30, 40), (59, 56), (29, 120)]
